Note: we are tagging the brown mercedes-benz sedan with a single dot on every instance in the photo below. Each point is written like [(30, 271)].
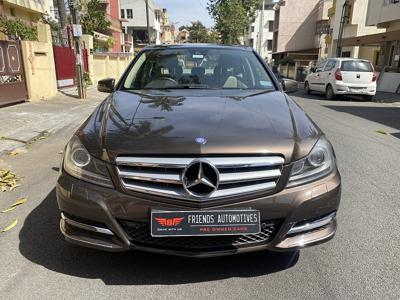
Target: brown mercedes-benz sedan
[(198, 151)]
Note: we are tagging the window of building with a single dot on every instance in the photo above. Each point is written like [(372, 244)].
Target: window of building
[(346, 54), (268, 6), (251, 42), (129, 13), (270, 26), (122, 13), (269, 45), (252, 29), (12, 11), (322, 27)]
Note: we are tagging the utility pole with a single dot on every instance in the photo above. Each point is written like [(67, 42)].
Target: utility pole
[(341, 29), (148, 22), (62, 15), (78, 51), (261, 29)]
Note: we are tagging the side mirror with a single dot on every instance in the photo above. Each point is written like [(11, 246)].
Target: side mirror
[(289, 86), (312, 69), (106, 85)]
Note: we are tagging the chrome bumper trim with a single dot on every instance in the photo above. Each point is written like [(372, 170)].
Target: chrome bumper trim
[(312, 225), (86, 226)]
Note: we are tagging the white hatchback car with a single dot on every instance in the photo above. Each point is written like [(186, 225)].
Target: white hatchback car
[(343, 76)]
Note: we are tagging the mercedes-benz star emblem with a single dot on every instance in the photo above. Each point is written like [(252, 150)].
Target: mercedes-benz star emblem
[(200, 178), (201, 140)]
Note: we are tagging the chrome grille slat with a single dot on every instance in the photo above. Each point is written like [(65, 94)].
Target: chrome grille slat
[(163, 175), (244, 189), (150, 176), (248, 176)]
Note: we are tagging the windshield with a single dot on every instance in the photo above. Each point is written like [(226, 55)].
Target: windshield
[(203, 68), (356, 66)]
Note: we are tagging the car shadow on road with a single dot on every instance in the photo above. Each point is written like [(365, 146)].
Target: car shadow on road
[(388, 116), (42, 243)]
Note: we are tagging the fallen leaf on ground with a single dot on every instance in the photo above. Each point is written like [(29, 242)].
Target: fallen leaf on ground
[(8, 180), (9, 209), (17, 203), (381, 131), (16, 152), (11, 226)]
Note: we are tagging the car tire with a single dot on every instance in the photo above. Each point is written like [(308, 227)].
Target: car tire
[(307, 88), (330, 94), (368, 97)]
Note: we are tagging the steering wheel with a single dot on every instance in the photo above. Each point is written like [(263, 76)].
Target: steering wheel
[(162, 82)]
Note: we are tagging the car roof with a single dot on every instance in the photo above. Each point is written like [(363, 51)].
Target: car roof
[(195, 45)]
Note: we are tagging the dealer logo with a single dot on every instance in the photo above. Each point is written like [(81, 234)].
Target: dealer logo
[(169, 222), (200, 178)]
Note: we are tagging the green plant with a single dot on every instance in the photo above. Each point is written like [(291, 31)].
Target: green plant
[(15, 28), (86, 79), (93, 17), (110, 42)]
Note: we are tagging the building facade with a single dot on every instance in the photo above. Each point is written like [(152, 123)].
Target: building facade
[(134, 14), (348, 21), (299, 34), (261, 31), (167, 29)]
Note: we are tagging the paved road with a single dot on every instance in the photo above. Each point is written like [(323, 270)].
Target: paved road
[(363, 261)]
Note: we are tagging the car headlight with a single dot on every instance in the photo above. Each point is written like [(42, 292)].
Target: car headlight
[(319, 163), (80, 164)]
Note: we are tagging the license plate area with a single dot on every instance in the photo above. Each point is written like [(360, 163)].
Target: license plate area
[(204, 223)]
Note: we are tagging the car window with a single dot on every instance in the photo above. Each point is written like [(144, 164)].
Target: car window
[(319, 67), (356, 66), (213, 68), (330, 65)]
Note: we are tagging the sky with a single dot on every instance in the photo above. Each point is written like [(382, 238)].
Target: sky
[(186, 11)]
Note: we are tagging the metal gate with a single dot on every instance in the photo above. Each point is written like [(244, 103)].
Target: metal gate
[(65, 60), (12, 79)]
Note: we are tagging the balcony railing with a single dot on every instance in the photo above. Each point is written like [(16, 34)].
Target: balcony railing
[(128, 39)]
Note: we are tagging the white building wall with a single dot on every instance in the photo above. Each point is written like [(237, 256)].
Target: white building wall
[(268, 16), (139, 13)]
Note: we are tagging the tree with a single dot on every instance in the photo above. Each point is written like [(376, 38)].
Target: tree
[(232, 17), (93, 17), (198, 33)]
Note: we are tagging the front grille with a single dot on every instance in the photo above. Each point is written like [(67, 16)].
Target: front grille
[(139, 234), (163, 175)]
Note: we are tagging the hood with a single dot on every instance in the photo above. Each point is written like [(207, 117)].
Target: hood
[(168, 123)]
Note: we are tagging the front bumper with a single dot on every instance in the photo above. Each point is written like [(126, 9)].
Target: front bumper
[(92, 216)]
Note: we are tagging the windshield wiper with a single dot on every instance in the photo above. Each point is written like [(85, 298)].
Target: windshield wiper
[(188, 86)]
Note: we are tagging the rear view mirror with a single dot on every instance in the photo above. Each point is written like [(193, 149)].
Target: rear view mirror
[(289, 86), (312, 70), (106, 85)]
